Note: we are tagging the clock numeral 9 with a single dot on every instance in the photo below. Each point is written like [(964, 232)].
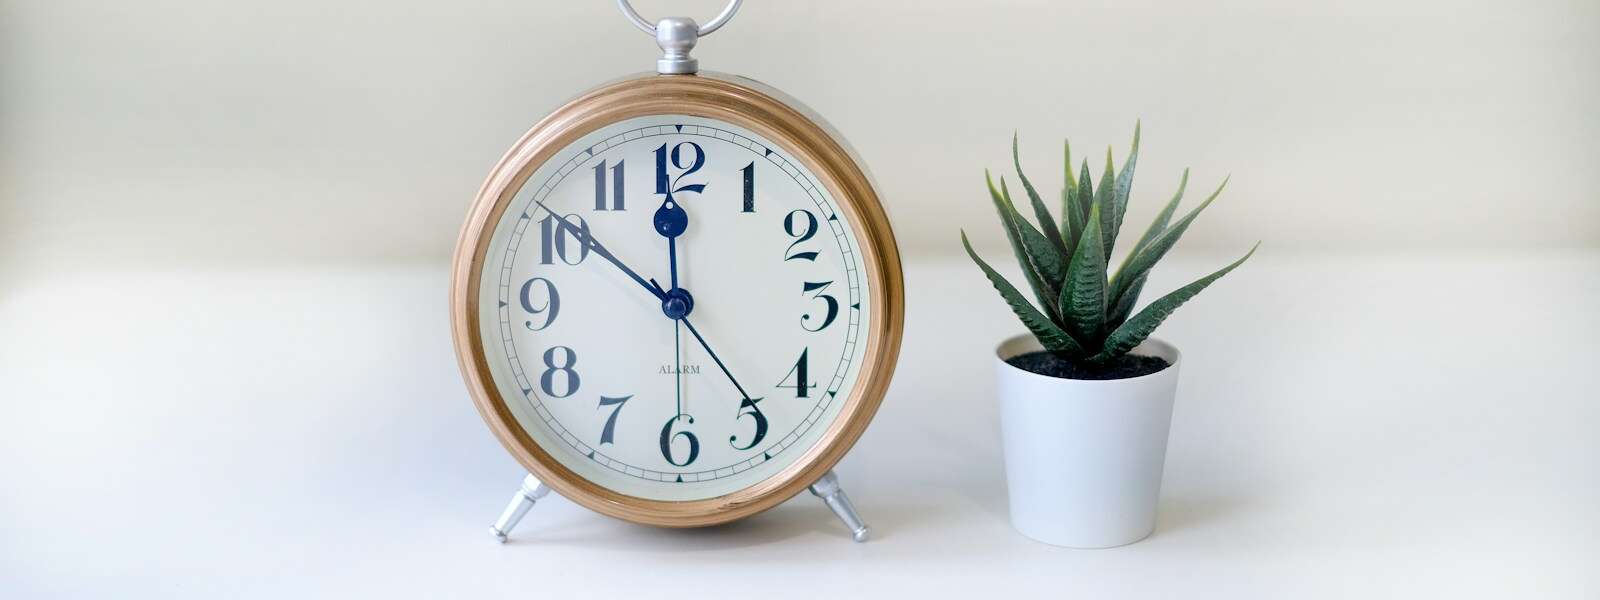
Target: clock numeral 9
[(748, 408), (801, 225), (667, 437), (570, 379), (600, 187), (802, 384), (553, 234), (552, 304), (668, 185), (817, 289)]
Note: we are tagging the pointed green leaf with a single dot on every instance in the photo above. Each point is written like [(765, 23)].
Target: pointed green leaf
[(1068, 193), (1009, 218), (1103, 196), (1124, 305), (1069, 236), (1066, 163), (1156, 227), (1040, 211), (1083, 198), (1132, 333), (1048, 334), (1083, 296), (1164, 217), (1125, 183), (1152, 253), (1050, 262)]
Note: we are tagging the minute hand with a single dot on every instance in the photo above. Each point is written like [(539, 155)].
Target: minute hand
[(598, 248), (713, 354)]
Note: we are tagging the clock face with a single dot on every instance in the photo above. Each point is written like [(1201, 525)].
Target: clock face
[(674, 308)]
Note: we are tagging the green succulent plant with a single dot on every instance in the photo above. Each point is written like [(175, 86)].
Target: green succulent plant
[(1083, 312)]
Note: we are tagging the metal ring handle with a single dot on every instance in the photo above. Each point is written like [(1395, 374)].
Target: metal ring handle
[(704, 30)]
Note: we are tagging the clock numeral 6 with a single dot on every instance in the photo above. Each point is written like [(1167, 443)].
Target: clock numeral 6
[(611, 421), (817, 289), (748, 408), (553, 234), (668, 185), (552, 304), (667, 437), (801, 225), (570, 379), (802, 385)]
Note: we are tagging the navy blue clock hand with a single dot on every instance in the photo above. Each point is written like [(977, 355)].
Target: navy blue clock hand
[(595, 245), (714, 357), (671, 221), (746, 403)]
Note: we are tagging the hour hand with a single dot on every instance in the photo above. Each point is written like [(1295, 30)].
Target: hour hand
[(671, 221), (595, 246)]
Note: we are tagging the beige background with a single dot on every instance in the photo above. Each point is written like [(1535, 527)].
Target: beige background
[(301, 130), (226, 371)]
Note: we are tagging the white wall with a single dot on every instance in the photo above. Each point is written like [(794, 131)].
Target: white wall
[(303, 129)]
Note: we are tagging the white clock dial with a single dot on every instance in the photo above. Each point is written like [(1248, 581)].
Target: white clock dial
[(579, 298)]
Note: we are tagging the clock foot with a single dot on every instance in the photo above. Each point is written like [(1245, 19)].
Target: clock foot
[(827, 488), (530, 492)]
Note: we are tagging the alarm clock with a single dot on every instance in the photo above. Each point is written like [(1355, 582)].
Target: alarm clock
[(677, 299)]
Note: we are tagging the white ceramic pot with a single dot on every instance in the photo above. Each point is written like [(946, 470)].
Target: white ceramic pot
[(1083, 458)]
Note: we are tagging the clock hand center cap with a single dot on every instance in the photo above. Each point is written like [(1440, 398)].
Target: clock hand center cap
[(677, 304)]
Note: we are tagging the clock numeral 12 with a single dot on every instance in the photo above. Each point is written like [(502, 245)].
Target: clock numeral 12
[(668, 185), (600, 187)]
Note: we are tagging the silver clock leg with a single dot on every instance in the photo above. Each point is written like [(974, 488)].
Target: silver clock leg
[(827, 488), (532, 490)]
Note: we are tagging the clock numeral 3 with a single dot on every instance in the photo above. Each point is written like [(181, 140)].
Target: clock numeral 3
[(802, 384), (668, 185), (570, 378), (801, 225), (611, 421), (748, 408), (817, 289), (600, 187), (553, 234), (552, 304), (667, 437)]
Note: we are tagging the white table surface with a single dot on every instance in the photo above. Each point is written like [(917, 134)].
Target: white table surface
[(1406, 426)]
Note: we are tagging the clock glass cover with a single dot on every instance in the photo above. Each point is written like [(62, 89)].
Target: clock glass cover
[(674, 308)]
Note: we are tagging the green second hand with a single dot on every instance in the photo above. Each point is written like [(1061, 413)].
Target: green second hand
[(677, 364)]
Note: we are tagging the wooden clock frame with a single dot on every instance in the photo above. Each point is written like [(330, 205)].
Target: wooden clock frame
[(788, 125)]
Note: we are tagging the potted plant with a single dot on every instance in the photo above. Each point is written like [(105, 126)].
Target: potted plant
[(1086, 396)]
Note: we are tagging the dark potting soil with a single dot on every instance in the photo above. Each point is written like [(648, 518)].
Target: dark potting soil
[(1122, 367)]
